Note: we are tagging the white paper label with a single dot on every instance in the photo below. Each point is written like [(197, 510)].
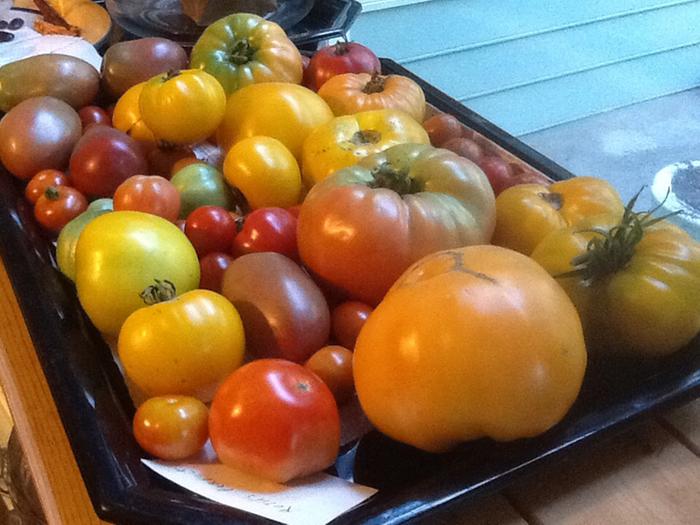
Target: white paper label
[(314, 500)]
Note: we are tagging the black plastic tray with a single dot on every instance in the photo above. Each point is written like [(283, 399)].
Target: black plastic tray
[(96, 410)]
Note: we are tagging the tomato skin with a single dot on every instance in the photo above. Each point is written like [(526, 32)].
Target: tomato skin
[(182, 107), (526, 213), (359, 239), (171, 427), (264, 171), (301, 434), (351, 93), (212, 267), (499, 173), (103, 158), (333, 364), (93, 115), (200, 184), (443, 127), (126, 117), (186, 345), (149, 194), (285, 112), (243, 49), (504, 369), (342, 57), (467, 148), (58, 206), (347, 319), (345, 140), (119, 254), (210, 229), (267, 230), (38, 184), (648, 307)]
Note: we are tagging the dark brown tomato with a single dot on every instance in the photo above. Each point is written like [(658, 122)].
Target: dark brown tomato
[(103, 159), (347, 319), (38, 133), (333, 364), (284, 313), (128, 63)]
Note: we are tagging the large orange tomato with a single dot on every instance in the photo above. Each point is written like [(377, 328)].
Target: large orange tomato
[(360, 228), (505, 361)]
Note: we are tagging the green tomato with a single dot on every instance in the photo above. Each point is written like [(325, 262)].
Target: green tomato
[(201, 185), (68, 238)]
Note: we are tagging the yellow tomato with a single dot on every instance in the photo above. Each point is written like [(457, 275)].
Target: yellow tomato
[(526, 213), (344, 141), (264, 171), (469, 343), (286, 112), (120, 255), (183, 107), (127, 116), (183, 346)]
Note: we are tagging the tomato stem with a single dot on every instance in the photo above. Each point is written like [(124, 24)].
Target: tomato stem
[(172, 73), (52, 193), (157, 293), (375, 84), (386, 176), (366, 136), (242, 52), (341, 48)]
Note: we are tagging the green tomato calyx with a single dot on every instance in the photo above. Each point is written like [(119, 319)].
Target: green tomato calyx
[(159, 292), (387, 176), (609, 251), (242, 52)]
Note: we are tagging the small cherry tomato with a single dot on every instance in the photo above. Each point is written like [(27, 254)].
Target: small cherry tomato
[(499, 173), (275, 419), (210, 229), (58, 206), (171, 427), (465, 147), (343, 57), (150, 194), (333, 364), (268, 230), (442, 128), (211, 270), (93, 115), (43, 179), (347, 320)]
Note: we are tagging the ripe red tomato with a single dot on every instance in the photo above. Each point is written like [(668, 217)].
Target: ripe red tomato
[(498, 172), (268, 230), (333, 364), (465, 147), (343, 57), (347, 320), (442, 128), (210, 229), (93, 115), (43, 179), (149, 194), (211, 270), (57, 206), (171, 427), (275, 419)]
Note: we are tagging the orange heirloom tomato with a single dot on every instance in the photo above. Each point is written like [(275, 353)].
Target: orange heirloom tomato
[(526, 213), (182, 107), (635, 283), (507, 361), (360, 228), (344, 141), (171, 427), (286, 112), (186, 345), (150, 194), (355, 92), (126, 117)]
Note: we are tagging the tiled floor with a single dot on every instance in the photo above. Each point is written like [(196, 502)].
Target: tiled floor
[(628, 146)]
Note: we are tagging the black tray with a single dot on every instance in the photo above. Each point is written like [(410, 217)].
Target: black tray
[(96, 410)]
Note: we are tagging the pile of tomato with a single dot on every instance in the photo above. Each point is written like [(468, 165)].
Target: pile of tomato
[(266, 236)]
